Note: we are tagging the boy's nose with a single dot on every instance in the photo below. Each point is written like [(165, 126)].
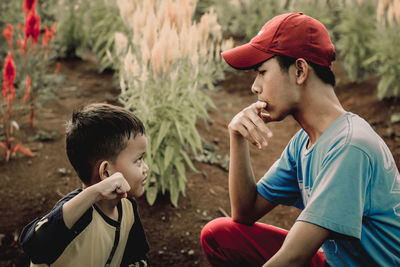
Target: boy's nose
[(256, 88)]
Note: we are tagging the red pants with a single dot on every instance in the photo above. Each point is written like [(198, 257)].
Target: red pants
[(227, 243)]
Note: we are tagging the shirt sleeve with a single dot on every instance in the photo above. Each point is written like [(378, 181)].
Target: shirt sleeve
[(340, 194), (45, 238), (279, 184)]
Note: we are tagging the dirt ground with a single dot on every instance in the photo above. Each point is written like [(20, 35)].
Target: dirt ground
[(29, 187)]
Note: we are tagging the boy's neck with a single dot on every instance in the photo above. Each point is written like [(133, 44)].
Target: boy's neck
[(319, 109), (109, 208)]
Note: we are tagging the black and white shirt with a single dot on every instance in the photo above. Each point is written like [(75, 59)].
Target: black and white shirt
[(94, 240)]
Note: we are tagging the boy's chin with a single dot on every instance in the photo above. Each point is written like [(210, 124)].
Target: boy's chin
[(136, 194)]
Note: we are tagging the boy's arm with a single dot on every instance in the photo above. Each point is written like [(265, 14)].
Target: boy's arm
[(300, 245), (44, 239), (110, 188), (247, 126)]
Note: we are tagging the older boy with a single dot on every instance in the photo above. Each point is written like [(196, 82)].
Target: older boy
[(98, 225), (336, 168)]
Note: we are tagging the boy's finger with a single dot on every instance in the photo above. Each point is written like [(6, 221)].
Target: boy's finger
[(259, 122), (254, 135), (259, 105)]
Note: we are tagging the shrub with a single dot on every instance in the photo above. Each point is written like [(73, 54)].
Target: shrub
[(163, 72), (354, 32), (385, 46), (105, 20), (244, 18), (72, 23)]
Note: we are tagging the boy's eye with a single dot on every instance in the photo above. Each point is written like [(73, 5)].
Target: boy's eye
[(262, 72), (139, 160)]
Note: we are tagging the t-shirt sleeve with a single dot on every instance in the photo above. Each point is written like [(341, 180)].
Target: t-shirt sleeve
[(340, 192), (45, 238), (279, 184)]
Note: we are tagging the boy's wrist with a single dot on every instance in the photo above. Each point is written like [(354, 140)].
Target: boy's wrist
[(93, 193)]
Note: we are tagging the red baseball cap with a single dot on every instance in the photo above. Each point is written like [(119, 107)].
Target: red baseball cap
[(294, 34)]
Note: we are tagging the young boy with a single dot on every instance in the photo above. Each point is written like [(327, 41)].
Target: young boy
[(98, 225), (336, 168)]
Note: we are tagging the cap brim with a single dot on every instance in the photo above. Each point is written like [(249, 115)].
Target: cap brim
[(245, 57)]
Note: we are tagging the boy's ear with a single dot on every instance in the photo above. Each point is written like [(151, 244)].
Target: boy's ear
[(301, 69), (103, 170)]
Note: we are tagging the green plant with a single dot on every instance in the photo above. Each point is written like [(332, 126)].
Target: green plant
[(385, 61), (385, 45), (244, 18), (164, 71), (170, 112), (105, 20), (72, 22), (354, 32), (10, 13)]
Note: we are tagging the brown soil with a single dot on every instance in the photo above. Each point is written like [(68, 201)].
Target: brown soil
[(29, 187)]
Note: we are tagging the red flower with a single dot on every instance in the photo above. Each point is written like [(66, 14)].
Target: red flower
[(8, 78), (28, 5), (8, 34), (32, 26)]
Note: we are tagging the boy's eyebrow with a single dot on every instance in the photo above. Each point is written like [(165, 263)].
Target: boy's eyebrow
[(141, 154)]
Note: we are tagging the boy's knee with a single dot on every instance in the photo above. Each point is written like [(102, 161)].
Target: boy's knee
[(216, 230)]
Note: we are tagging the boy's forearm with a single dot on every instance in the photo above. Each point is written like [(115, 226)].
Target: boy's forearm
[(77, 206), (302, 242), (242, 185)]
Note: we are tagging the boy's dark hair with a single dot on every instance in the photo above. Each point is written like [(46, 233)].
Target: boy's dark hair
[(98, 132), (323, 72)]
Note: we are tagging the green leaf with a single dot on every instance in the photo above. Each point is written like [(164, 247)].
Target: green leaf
[(161, 134), (178, 126), (169, 153), (189, 162), (151, 194), (181, 175), (174, 190), (383, 85)]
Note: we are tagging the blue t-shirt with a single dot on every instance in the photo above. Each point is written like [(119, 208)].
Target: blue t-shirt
[(346, 182)]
